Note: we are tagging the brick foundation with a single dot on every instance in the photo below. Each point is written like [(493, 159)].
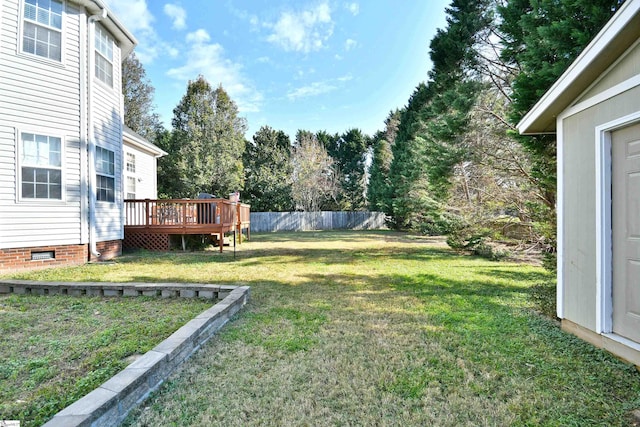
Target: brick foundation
[(108, 250), (20, 259), (17, 259)]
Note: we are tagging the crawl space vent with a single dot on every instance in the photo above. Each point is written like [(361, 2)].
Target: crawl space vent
[(39, 256)]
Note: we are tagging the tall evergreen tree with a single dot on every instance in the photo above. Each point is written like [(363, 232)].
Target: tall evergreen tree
[(379, 181), (267, 168), (169, 167), (454, 86), (409, 185), (540, 39), (207, 142), (430, 139), (349, 151), (138, 93)]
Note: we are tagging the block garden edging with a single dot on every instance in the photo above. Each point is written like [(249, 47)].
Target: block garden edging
[(109, 404), (110, 289)]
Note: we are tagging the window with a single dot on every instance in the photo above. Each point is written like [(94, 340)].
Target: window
[(105, 175), (104, 56), (131, 187), (131, 163), (42, 28), (41, 167)]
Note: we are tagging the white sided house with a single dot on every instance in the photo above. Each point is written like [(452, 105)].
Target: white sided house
[(61, 132), (140, 166), (594, 109)]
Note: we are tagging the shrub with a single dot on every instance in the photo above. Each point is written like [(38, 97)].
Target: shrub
[(478, 241), (543, 297)]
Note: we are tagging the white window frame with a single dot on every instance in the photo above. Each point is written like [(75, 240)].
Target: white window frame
[(100, 173), (104, 47), (603, 178), (20, 164), (21, 34), (130, 187), (130, 161), (604, 237)]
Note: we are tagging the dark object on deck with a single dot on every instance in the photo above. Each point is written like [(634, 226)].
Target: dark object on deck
[(207, 212)]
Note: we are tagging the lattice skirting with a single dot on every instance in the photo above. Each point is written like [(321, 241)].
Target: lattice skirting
[(151, 242)]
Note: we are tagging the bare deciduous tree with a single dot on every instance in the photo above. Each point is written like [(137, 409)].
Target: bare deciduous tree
[(314, 178)]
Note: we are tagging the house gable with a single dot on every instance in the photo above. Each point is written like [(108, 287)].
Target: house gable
[(140, 168), (625, 69)]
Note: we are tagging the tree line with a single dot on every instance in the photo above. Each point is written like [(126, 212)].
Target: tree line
[(208, 153), (449, 162)]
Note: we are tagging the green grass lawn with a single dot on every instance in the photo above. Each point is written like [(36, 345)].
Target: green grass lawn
[(376, 328), (56, 349)]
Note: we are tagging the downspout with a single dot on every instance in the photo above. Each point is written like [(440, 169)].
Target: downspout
[(92, 133)]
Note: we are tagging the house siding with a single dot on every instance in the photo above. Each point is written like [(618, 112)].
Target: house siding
[(50, 98), (7, 165), (627, 67), (580, 203), (108, 122), (43, 97), (145, 173)]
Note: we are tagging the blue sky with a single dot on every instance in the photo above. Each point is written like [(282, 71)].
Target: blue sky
[(313, 65)]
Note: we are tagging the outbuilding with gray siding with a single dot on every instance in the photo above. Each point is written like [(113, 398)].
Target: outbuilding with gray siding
[(594, 109)]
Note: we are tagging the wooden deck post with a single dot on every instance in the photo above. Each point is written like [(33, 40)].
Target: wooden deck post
[(147, 215)]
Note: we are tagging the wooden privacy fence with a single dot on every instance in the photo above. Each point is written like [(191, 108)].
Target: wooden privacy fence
[(325, 220)]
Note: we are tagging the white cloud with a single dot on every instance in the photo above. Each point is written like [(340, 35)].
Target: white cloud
[(134, 14), (303, 31), (318, 88), (314, 89), (198, 36), (254, 22), (209, 60), (350, 44), (137, 18), (177, 14), (354, 8)]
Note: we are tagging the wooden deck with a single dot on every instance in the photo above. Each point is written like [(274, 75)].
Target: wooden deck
[(150, 222)]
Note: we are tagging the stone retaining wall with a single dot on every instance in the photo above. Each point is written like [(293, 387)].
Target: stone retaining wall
[(109, 404), (166, 290)]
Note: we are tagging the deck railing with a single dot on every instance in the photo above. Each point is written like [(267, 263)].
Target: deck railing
[(150, 222), (243, 216), (180, 213), (244, 213)]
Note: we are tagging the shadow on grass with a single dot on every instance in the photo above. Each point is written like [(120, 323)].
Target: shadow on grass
[(513, 274), (461, 326), (266, 256), (330, 235)]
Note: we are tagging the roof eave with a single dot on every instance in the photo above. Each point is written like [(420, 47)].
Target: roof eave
[(126, 40), (131, 137)]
